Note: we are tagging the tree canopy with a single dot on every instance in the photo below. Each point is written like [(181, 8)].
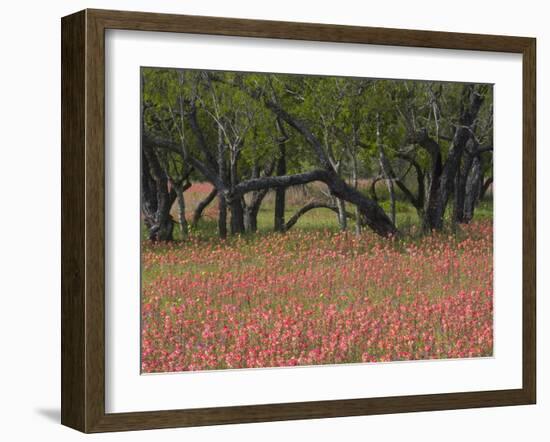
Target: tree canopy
[(251, 133)]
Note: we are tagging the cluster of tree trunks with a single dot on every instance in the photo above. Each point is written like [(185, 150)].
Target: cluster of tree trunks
[(460, 174), (157, 196)]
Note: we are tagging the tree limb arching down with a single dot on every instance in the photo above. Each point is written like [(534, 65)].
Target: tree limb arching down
[(373, 214), (308, 207)]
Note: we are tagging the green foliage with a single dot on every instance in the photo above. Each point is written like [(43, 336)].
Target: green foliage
[(351, 117)]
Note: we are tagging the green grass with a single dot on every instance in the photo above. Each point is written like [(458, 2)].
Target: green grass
[(325, 219)]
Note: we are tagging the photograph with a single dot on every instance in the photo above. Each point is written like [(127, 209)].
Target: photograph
[(274, 221), (305, 220), (267, 221)]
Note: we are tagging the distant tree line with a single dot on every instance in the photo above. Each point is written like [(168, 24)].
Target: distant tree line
[(248, 134)]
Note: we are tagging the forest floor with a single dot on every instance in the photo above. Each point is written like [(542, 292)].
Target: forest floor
[(315, 295)]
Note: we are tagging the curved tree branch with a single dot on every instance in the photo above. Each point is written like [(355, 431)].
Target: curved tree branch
[(303, 130), (418, 201), (197, 214), (373, 183), (310, 206), (373, 214), (206, 171), (485, 187), (281, 181), (422, 138)]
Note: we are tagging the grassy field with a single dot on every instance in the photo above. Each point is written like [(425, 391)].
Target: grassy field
[(315, 295)]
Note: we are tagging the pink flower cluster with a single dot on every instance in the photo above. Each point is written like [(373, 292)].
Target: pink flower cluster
[(309, 298)]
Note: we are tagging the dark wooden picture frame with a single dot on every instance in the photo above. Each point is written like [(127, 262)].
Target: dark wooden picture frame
[(83, 220)]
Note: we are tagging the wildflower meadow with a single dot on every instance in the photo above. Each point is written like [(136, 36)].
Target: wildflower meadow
[(316, 297), (300, 219)]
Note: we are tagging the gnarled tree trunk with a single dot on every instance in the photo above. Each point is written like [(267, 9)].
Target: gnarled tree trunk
[(469, 113), (180, 190), (460, 188), (385, 168), (342, 215), (157, 196), (237, 215), (251, 210), (472, 190), (222, 216), (280, 192)]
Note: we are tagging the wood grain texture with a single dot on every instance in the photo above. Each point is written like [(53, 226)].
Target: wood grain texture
[(529, 220), (83, 220), (143, 21), (95, 221), (73, 256)]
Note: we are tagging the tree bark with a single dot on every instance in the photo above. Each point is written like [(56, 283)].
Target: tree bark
[(342, 215), (161, 224), (222, 216), (237, 215), (430, 220), (385, 168), (251, 211), (460, 188), (180, 190), (250, 219), (355, 182), (418, 200), (280, 192), (149, 203), (421, 137), (473, 189)]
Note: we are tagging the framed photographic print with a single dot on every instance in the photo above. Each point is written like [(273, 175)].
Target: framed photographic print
[(267, 220)]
